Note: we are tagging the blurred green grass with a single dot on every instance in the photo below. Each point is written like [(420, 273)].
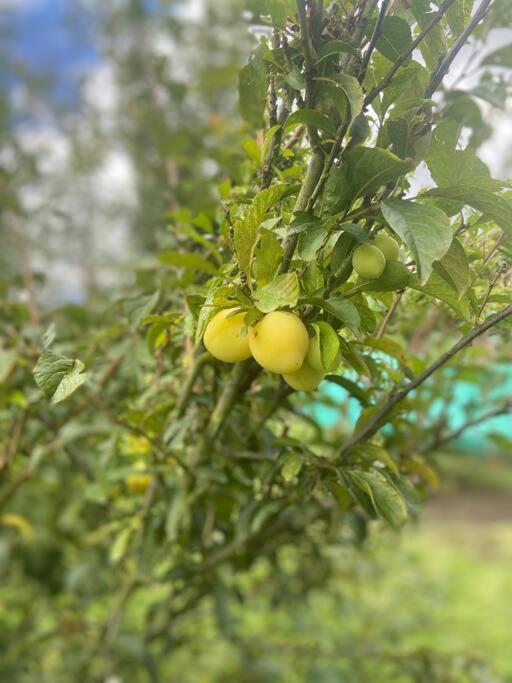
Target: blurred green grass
[(431, 605)]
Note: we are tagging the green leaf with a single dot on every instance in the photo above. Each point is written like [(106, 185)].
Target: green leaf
[(192, 262), (334, 47), (311, 117), (292, 466), (120, 544), (433, 46), (282, 291), (449, 166), (352, 97), (354, 358), (246, 230), (492, 205), (389, 347), (425, 229), (139, 308), (343, 310), (190, 232), (252, 91), (175, 514), (386, 499), (48, 336), (327, 343), (267, 258), (295, 79), (373, 452), (252, 150), (409, 82), (312, 280), (454, 268), (356, 231), (438, 288), (58, 376), (310, 241), (501, 57), (8, 359), (269, 137), (457, 16), (350, 386), (395, 37), (370, 168), (395, 276)]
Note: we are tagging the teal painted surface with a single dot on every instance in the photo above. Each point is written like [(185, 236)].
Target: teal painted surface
[(476, 439)]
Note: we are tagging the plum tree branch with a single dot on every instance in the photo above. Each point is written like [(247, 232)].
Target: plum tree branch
[(407, 53), (373, 40), (389, 314), (444, 66), (441, 441), (382, 414)]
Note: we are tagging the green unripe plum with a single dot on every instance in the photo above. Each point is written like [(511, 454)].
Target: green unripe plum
[(304, 379), (388, 246), (368, 261), (279, 342), (223, 337)]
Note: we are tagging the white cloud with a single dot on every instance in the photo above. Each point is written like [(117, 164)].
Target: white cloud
[(101, 91), (114, 181)]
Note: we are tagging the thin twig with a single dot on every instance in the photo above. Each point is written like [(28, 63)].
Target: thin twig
[(389, 314), (186, 391), (492, 283), (441, 441), (444, 66), (373, 41), (382, 414), (407, 53)]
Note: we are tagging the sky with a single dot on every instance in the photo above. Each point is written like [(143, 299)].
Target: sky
[(50, 37), (57, 37)]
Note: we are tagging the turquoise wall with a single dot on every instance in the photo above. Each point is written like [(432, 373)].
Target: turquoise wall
[(465, 394)]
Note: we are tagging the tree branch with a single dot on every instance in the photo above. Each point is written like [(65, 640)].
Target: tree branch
[(495, 412), (407, 53), (382, 414), (313, 174), (188, 385), (444, 66), (242, 373), (373, 41), (389, 314)]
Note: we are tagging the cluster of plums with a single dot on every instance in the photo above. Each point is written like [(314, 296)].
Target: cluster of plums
[(279, 342), (369, 260)]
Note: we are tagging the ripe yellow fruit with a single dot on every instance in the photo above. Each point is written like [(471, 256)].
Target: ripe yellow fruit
[(279, 342), (304, 379), (368, 261), (388, 246), (138, 482), (223, 337)]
